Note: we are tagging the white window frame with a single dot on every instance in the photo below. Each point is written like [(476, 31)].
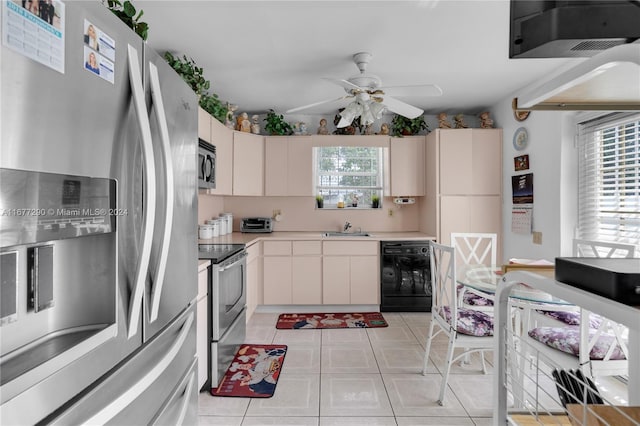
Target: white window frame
[(347, 190), (609, 204)]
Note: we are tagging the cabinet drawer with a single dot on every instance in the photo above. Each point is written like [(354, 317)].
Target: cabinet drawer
[(277, 248), (307, 247), (350, 248)]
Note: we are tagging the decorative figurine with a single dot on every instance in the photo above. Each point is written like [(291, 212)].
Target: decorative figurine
[(300, 128), (243, 123), (230, 120), (443, 123), (255, 126), (485, 121), (322, 130), (459, 120), (368, 129), (384, 129)]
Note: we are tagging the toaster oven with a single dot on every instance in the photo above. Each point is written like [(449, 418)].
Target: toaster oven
[(256, 224)]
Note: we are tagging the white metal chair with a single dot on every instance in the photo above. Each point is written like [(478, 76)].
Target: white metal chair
[(468, 329), (601, 350), (474, 249)]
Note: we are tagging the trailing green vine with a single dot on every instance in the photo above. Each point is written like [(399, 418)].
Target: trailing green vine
[(126, 11), (193, 76)]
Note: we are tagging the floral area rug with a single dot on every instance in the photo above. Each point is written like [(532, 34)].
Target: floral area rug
[(253, 373), (315, 321)]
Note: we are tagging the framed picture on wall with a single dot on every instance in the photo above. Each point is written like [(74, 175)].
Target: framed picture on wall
[(521, 162)]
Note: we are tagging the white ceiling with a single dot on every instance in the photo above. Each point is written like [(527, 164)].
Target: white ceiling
[(273, 54)]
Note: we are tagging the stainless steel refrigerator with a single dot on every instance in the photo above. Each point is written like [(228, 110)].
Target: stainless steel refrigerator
[(98, 218)]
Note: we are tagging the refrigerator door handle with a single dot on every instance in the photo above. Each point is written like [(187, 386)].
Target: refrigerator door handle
[(149, 201), (156, 95), (142, 385)]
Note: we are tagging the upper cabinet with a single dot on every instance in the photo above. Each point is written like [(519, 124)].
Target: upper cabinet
[(288, 166), (204, 125), (470, 161), (407, 166), (222, 138), (248, 164)]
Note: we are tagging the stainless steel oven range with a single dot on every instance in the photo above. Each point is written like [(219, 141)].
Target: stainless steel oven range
[(227, 304)]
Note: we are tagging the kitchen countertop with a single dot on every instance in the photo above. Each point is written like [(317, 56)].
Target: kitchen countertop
[(251, 238)]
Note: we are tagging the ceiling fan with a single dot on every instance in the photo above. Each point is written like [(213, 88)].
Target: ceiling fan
[(371, 98)]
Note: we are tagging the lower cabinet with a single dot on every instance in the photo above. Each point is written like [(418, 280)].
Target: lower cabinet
[(317, 272), (254, 278), (350, 273), (202, 338)]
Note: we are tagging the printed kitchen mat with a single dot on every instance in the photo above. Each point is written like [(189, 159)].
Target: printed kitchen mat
[(253, 373), (341, 320)]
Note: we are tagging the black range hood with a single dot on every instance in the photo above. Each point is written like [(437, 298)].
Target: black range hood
[(571, 28)]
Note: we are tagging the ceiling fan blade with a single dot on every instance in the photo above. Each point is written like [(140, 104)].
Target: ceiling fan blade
[(401, 108), (418, 90), (316, 104), (343, 83)]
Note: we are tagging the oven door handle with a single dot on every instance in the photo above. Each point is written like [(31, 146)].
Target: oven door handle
[(149, 196), (231, 265), (161, 266)]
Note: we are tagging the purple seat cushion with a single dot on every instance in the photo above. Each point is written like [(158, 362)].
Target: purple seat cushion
[(470, 322), (573, 318), (472, 299), (567, 339)]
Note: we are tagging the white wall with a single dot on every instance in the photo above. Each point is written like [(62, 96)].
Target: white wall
[(552, 160)]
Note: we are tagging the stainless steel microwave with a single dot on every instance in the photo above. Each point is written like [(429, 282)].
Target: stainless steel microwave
[(206, 165)]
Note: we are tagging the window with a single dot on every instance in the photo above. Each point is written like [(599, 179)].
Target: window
[(353, 173), (609, 179)]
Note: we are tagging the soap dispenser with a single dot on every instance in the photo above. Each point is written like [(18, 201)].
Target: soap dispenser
[(340, 201)]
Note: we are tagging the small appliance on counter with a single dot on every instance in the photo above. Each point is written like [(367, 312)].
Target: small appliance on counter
[(256, 224)]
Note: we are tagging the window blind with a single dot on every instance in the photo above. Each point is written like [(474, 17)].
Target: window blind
[(609, 179)]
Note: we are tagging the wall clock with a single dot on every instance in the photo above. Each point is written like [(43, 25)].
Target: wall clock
[(520, 139)]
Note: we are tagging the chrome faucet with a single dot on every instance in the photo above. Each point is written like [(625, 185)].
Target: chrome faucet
[(346, 227)]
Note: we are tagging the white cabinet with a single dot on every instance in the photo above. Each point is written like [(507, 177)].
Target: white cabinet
[(407, 166), (204, 125), (350, 272), (248, 164), (292, 272), (463, 184), (276, 264), (254, 277), (306, 273), (202, 338), (222, 138), (288, 166)]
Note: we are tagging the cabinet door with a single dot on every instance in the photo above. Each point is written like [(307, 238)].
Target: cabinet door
[(470, 161), (306, 275), (407, 166), (335, 280), (455, 161), (248, 164), (365, 283), (277, 280), (300, 166), (276, 160), (204, 125), (202, 340), (222, 138), (476, 213)]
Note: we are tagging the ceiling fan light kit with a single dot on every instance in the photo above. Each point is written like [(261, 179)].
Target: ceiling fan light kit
[(371, 99)]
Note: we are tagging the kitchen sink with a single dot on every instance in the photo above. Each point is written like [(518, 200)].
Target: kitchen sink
[(346, 234)]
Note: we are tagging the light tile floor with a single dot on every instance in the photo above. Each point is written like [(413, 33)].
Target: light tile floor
[(358, 377)]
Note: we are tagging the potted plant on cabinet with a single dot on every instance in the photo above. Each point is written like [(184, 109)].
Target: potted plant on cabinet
[(403, 126), (319, 201), (375, 201), (276, 126)]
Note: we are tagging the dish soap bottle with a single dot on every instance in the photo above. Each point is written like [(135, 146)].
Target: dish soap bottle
[(340, 202)]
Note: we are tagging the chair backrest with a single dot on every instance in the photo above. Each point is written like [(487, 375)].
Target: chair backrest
[(475, 248), (588, 248), (443, 282), (603, 249)]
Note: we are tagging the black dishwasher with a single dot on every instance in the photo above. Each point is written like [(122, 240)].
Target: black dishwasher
[(405, 276)]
